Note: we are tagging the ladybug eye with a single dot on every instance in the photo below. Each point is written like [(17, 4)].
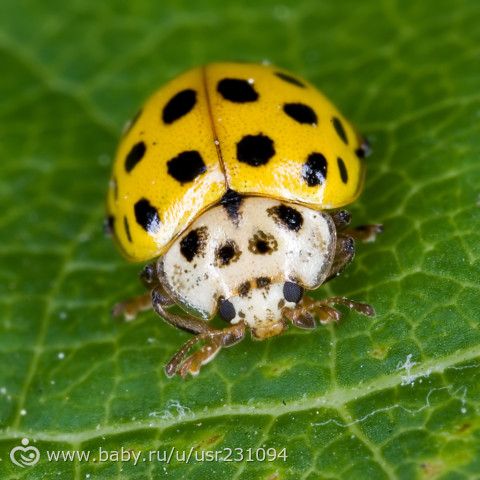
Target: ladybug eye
[(292, 292), (227, 310)]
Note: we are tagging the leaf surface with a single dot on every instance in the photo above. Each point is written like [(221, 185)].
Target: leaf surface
[(397, 396)]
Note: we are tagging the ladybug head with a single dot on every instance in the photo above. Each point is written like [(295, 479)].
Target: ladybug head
[(261, 304)]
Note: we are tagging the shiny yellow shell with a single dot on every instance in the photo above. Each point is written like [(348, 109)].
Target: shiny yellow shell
[(247, 128)]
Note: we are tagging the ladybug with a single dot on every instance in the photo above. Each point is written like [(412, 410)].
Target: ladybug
[(229, 181)]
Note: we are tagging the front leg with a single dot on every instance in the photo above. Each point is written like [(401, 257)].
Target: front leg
[(214, 341), (131, 307)]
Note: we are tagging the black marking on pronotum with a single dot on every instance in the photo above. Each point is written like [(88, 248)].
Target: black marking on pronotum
[(193, 243), (262, 282), (243, 289), (262, 243), (227, 253), (231, 201), (262, 247), (287, 216), (292, 292)]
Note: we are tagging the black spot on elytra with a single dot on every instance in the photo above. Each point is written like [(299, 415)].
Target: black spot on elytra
[(231, 201), (186, 166), (301, 113), (227, 310), (227, 253), (290, 79), (179, 105), (287, 216), (314, 170), (343, 170), (338, 126), (237, 90), (126, 226), (292, 292), (135, 154), (243, 289), (262, 282), (193, 243), (262, 243), (146, 215), (255, 150)]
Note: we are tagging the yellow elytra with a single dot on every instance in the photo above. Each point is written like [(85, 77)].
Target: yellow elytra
[(248, 128)]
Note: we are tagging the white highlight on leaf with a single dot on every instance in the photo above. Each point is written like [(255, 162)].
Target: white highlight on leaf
[(411, 411), (174, 410), (409, 378)]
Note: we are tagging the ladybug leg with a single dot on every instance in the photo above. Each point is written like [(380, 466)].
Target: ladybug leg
[(344, 253), (365, 233), (214, 340), (308, 309), (159, 301), (132, 306), (341, 219)]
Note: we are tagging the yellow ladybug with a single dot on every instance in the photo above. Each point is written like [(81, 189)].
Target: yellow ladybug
[(230, 178)]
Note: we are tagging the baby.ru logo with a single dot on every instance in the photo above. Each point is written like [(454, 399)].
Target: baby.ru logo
[(24, 455)]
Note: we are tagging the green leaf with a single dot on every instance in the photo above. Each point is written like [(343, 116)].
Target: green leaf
[(397, 396)]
